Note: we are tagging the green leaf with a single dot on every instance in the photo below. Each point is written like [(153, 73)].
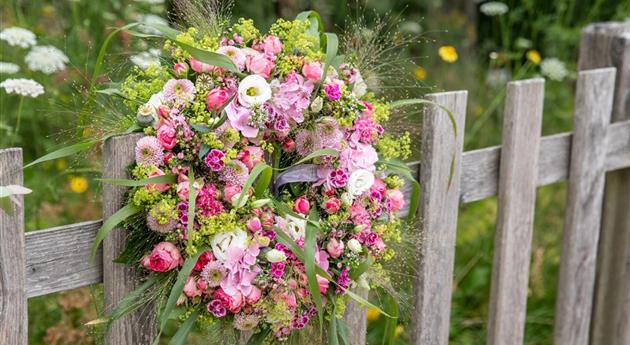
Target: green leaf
[(343, 332), (356, 272), (283, 210), (203, 151), (64, 152), (257, 170), (317, 26), (200, 128), (332, 45), (333, 336), (285, 239), (182, 333), (131, 301), (111, 222), (259, 338), (263, 182), (363, 301), (310, 243), (192, 198), (140, 183), (390, 324)]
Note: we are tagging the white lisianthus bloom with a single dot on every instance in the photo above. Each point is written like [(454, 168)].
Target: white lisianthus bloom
[(360, 182), (146, 59), (253, 90), (46, 59), (22, 87), (360, 87), (19, 37), (296, 227), (355, 246), (275, 255), (8, 68), (223, 241)]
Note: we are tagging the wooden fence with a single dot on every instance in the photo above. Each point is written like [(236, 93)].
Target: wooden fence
[(593, 304)]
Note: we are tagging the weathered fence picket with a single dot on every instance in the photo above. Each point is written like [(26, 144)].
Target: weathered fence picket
[(593, 304)]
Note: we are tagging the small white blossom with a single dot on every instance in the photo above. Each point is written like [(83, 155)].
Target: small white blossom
[(554, 69), (18, 37), (8, 68), (354, 246), (494, 8), (360, 182), (146, 59), (253, 90), (148, 20), (275, 255), (22, 87), (46, 59)]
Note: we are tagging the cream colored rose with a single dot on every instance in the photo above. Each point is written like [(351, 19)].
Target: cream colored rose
[(360, 182)]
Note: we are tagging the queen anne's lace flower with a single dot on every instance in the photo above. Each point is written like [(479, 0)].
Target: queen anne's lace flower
[(494, 8), (554, 69), (146, 59), (23, 87), (8, 68), (18, 37), (46, 59)]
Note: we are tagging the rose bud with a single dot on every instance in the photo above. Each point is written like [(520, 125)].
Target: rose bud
[(180, 69), (332, 205), (254, 224), (288, 145), (335, 248), (301, 205), (217, 97)]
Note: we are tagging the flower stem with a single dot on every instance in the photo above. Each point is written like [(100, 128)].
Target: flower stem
[(19, 114)]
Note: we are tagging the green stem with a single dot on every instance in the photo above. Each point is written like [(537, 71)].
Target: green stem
[(19, 114)]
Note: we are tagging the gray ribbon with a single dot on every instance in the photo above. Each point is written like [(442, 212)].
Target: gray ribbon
[(298, 173)]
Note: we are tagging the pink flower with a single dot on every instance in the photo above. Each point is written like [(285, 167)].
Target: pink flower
[(239, 118), (313, 71), (183, 189), (368, 108), (233, 303), (337, 178), (396, 199), (235, 54), (335, 248), (217, 98), (359, 215), (167, 136), (254, 295), (216, 308), (180, 69), (251, 156), (203, 261), (190, 288), (366, 130), (288, 145), (332, 205), (230, 190), (149, 151), (272, 45), (179, 91), (323, 284), (292, 97), (254, 224), (234, 172), (164, 257), (260, 64), (332, 91), (161, 187), (289, 299), (201, 67), (302, 205), (214, 160), (363, 156)]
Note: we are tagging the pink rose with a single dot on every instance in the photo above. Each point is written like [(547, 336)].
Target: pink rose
[(231, 302), (183, 189), (202, 285), (161, 187), (254, 295), (167, 136), (217, 98), (146, 261), (363, 156), (396, 199), (164, 257), (259, 64), (203, 261), (313, 71), (229, 191), (335, 248), (201, 67), (190, 288), (180, 69), (332, 205), (302, 205), (254, 224), (272, 45), (251, 156)]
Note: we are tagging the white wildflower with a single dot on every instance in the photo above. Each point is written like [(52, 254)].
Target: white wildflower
[(8, 68), (146, 59), (46, 59), (18, 37), (22, 87), (554, 69), (494, 8), (148, 20)]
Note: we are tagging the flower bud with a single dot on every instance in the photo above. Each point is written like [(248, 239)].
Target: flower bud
[(355, 246), (180, 69), (275, 255), (317, 104)]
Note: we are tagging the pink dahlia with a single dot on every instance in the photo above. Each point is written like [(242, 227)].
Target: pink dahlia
[(292, 97), (180, 92), (235, 172), (213, 273), (149, 151), (305, 142)]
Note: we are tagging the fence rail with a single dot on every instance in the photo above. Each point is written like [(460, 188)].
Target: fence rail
[(57, 259)]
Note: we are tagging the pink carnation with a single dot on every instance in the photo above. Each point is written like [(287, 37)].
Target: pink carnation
[(214, 160), (332, 91)]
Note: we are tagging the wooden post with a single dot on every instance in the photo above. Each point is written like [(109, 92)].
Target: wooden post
[(13, 309), (608, 45), (439, 206), (119, 280), (517, 201), (356, 319), (593, 106)]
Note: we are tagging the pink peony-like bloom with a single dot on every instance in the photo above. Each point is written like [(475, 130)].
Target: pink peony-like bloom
[(396, 199), (313, 71), (292, 97), (235, 54), (167, 136), (234, 172), (216, 98), (149, 151), (363, 156), (332, 91), (254, 295), (201, 67), (260, 64), (272, 45), (164, 257), (335, 248), (161, 187), (230, 190), (250, 156), (179, 92), (239, 118), (214, 160), (190, 288), (180, 69), (301, 205), (332, 205)]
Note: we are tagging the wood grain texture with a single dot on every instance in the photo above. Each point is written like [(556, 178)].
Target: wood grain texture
[(66, 265), (517, 200), (585, 194), (608, 45), (13, 310), (119, 280), (440, 181), (356, 319)]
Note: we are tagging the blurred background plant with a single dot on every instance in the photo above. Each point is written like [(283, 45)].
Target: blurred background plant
[(472, 45)]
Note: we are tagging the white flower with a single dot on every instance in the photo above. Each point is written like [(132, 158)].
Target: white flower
[(317, 104), (223, 241), (296, 227), (554, 69), (275, 255), (346, 199), (23, 87), (360, 182), (8, 68), (360, 87), (146, 59), (355, 246), (151, 19), (494, 8), (254, 90), (18, 37), (47, 59)]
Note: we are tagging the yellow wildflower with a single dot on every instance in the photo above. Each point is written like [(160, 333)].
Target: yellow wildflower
[(61, 164), (533, 56), (78, 184), (420, 73), (373, 314), (399, 330), (448, 53)]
